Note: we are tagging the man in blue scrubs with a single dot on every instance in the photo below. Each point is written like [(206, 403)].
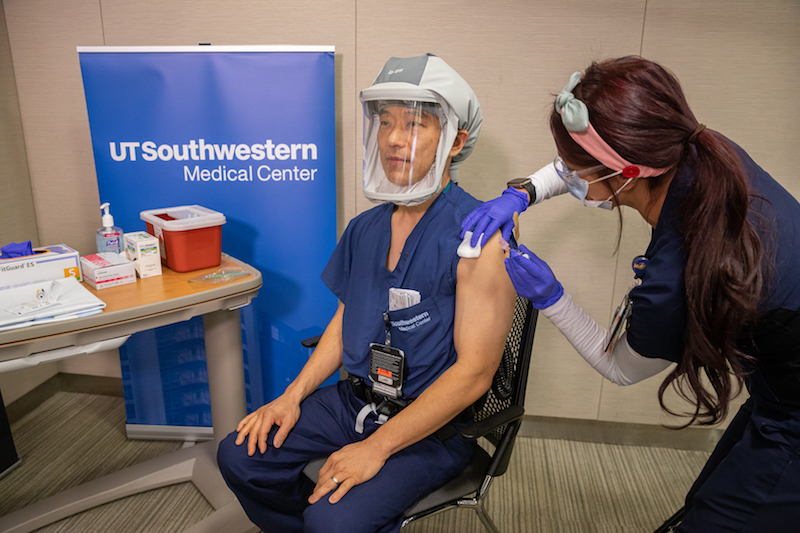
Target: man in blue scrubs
[(419, 331)]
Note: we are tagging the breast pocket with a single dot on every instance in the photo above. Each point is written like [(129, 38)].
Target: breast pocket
[(421, 333)]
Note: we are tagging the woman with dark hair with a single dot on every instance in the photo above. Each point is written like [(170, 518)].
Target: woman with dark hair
[(718, 289)]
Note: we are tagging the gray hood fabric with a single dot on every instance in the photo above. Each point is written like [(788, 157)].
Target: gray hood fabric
[(432, 73)]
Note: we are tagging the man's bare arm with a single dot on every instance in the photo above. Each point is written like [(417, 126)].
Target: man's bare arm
[(284, 411)]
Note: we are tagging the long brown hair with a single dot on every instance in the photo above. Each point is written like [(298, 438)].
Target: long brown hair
[(639, 109)]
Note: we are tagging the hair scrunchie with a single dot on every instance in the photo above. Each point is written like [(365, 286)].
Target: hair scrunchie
[(574, 113), (693, 137)]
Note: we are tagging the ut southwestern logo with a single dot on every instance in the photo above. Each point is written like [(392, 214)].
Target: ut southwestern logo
[(199, 150)]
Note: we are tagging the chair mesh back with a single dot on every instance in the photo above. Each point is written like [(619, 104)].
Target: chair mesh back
[(511, 378)]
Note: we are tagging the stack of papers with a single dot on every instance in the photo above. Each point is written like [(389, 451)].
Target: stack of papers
[(50, 301)]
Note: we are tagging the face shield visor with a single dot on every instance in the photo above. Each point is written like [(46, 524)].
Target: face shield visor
[(407, 144)]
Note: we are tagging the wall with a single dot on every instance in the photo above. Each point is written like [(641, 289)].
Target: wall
[(17, 214), (737, 62)]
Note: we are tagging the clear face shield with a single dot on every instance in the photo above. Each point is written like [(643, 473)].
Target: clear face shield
[(405, 150)]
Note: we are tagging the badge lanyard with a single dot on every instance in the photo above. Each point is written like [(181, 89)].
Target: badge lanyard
[(623, 313), (388, 328), (387, 365)]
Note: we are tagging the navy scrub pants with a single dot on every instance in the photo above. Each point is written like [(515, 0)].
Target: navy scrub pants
[(751, 482), (274, 492)]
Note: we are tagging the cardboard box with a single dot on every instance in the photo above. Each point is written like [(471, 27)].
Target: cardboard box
[(142, 249), (107, 269), (47, 263)]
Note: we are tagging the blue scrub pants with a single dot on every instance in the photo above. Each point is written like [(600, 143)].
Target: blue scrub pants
[(274, 492), (751, 482)]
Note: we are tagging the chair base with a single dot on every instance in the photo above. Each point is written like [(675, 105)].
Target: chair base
[(476, 503), (672, 522)]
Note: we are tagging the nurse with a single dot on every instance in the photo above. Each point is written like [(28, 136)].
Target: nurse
[(718, 287)]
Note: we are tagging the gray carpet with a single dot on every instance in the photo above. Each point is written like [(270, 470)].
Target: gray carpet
[(73, 438), (551, 486)]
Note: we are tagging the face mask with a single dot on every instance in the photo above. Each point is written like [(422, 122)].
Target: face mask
[(579, 187)]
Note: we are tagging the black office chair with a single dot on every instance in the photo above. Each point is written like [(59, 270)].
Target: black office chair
[(672, 522), (498, 420)]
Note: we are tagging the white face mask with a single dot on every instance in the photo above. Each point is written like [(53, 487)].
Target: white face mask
[(579, 187), (607, 203)]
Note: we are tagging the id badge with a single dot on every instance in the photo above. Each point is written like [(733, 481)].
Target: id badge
[(620, 320), (387, 369)]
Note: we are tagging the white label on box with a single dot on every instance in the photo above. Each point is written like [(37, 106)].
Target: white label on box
[(107, 269), (48, 263), (143, 249)]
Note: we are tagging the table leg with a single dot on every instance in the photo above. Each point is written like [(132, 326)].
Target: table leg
[(223, 336)]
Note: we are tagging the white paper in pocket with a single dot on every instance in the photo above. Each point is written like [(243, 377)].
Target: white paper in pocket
[(402, 298)]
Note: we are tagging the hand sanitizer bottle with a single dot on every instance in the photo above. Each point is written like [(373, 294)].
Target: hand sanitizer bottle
[(109, 237)]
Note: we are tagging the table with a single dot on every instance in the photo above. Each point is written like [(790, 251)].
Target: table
[(147, 304)]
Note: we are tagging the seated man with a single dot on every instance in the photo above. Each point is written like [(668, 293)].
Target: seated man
[(400, 283)]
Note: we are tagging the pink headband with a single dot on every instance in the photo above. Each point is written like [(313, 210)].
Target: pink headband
[(591, 141), (575, 116)]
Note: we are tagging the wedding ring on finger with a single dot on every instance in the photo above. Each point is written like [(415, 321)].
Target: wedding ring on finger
[(336, 480)]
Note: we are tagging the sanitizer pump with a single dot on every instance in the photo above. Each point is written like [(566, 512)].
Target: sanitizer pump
[(109, 237)]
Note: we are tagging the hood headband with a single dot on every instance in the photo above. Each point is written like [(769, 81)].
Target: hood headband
[(575, 117)]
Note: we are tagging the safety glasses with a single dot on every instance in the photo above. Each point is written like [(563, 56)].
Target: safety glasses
[(569, 176), (579, 187)]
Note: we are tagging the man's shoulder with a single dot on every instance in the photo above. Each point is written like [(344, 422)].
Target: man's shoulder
[(462, 202), (369, 218)]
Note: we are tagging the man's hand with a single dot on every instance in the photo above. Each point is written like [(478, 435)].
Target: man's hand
[(352, 465), (282, 412)]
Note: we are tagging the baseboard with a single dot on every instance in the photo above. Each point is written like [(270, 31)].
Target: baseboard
[(153, 432), (102, 385), (62, 382), (697, 439), (32, 399)]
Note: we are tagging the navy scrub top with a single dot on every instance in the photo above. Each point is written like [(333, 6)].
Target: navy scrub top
[(659, 302), (357, 275)]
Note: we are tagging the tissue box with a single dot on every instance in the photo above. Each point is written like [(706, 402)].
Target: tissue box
[(47, 263), (142, 249), (107, 269)]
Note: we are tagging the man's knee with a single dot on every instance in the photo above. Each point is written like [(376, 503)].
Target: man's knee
[(324, 517), (229, 456)]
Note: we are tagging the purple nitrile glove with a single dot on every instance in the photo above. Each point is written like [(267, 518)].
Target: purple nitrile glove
[(533, 279), (16, 250), (495, 214)]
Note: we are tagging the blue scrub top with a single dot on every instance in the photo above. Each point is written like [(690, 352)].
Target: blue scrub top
[(357, 275)]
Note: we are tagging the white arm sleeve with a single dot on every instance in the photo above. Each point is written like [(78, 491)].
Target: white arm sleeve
[(622, 365), (547, 183)]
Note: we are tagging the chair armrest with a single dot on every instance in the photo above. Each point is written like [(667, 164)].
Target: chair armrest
[(311, 342), (483, 427)]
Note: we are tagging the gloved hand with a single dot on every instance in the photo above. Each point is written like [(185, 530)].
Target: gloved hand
[(495, 214), (533, 279)]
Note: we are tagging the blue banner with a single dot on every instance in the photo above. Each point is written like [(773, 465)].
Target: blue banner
[(248, 132)]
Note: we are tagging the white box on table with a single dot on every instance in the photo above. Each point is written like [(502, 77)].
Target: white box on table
[(47, 263), (142, 249), (107, 269)]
